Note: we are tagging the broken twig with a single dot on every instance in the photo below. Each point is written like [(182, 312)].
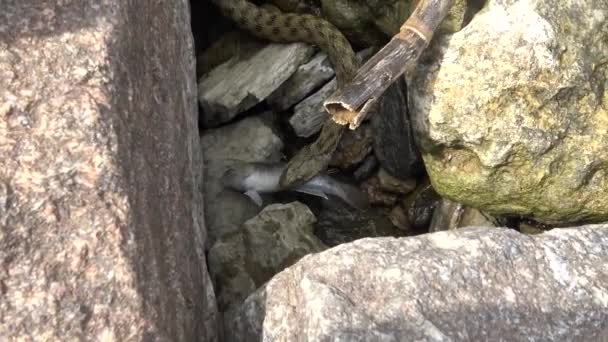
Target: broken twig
[(350, 104)]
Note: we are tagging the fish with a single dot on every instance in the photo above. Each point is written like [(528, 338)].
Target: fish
[(254, 179)]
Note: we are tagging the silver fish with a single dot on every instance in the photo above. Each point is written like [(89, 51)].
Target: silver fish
[(255, 178)]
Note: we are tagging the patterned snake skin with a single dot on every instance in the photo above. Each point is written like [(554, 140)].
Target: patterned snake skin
[(276, 26)]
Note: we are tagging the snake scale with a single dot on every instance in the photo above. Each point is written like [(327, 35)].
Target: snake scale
[(276, 26)]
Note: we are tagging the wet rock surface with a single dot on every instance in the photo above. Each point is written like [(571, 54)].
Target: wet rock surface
[(514, 120), (101, 222), (475, 283)]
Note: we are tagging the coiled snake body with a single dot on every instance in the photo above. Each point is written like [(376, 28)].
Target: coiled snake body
[(279, 27), (276, 26)]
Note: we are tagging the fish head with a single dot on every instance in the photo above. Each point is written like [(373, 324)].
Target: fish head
[(236, 177), (260, 177)]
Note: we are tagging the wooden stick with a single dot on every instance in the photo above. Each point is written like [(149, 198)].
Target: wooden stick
[(350, 104)]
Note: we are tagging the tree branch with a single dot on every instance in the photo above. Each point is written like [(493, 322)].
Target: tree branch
[(350, 104)]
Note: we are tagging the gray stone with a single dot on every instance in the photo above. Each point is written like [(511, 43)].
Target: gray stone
[(338, 223), (460, 14), (309, 115), (268, 243), (248, 140), (473, 284), (239, 84), (449, 215), (101, 221), (306, 79), (510, 112)]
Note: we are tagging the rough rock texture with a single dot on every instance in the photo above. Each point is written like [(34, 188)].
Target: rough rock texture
[(460, 15), (399, 219), (307, 78), (339, 223), (449, 215), (248, 140), (511, 111), (101, 224), (473, 284), (276, 238), (309, 115), (241, 83)]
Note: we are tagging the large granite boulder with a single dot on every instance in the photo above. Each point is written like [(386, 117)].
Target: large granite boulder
[(471, 284), (511, 112), (101, 222)]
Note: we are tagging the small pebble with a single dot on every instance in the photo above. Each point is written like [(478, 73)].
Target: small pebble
[(392, 184), (398, 217), (366, 169), (376, 196)]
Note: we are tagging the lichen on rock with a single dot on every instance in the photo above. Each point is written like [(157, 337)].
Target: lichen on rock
[(510, 112)]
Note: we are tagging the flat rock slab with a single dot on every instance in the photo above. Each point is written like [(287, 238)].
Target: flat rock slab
[(473, 284), (248, 140), (239, 84), (307, 78), (101, 223), (394, 144)]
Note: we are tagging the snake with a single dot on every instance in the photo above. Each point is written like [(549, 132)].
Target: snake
[(271, 24)]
